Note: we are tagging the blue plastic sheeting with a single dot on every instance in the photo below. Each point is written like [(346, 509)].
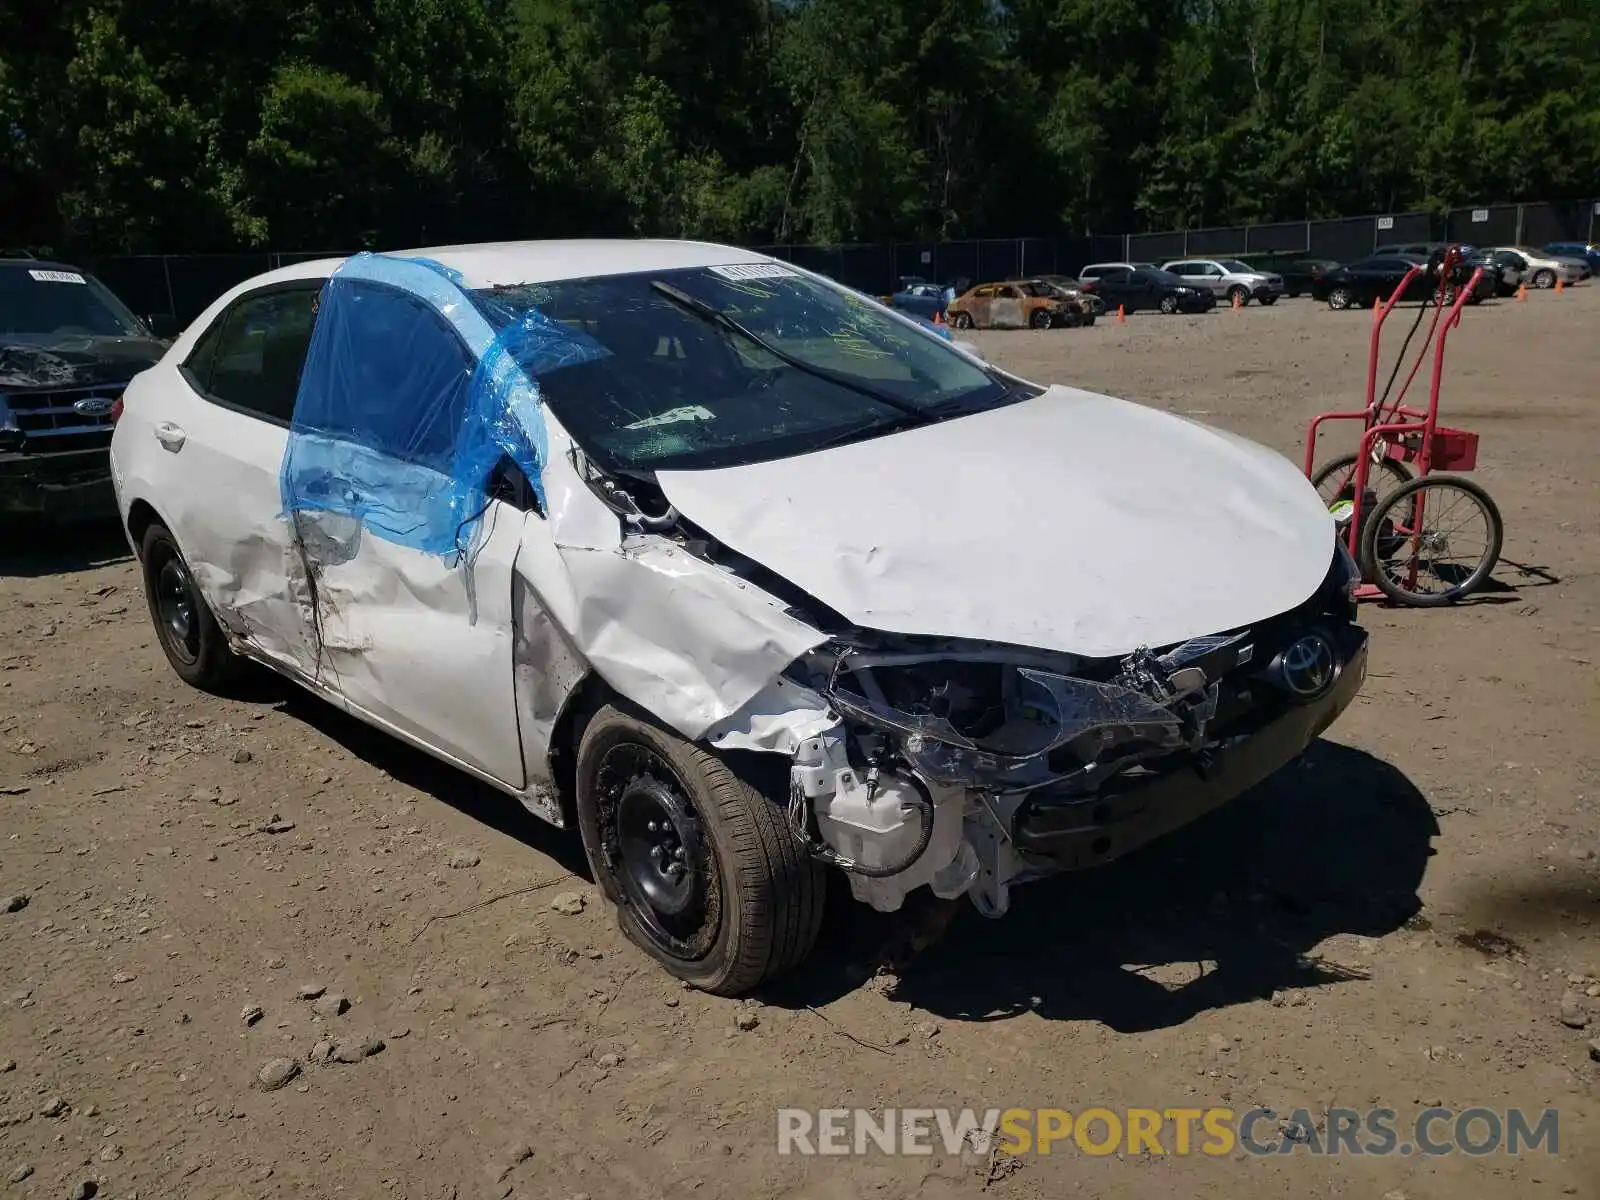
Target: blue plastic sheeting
[(409, 399)]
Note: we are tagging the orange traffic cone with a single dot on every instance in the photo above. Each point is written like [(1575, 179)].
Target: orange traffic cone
[(1122, 314), (1522, 292), (1560, 287), (938, 317), (1377, 309)]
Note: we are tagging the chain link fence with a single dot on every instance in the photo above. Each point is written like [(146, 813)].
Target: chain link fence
[(184, 284)]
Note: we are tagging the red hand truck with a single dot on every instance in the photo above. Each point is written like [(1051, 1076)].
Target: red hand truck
[(1419, 538)]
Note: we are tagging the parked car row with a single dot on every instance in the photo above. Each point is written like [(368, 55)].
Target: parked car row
[(1198, 284)]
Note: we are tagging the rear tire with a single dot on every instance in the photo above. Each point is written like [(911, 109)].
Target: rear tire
[(1267, 301), (961, 320), (746, 903), (1341, 298), (1544, 277), (189, 635), (1040, 318)]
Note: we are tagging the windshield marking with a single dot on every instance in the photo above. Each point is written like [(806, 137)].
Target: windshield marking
[(58, 277)]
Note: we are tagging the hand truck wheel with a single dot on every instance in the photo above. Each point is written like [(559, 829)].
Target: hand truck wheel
[(1431, 529), (1335, 480)]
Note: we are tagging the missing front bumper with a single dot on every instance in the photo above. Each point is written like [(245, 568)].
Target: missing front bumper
[(1086, 831), (70, 486)]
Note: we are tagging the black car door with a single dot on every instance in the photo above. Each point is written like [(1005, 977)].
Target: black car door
[(1116, 287)]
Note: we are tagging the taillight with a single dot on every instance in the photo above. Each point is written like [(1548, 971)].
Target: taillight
[(1088, 286), (116, 410)]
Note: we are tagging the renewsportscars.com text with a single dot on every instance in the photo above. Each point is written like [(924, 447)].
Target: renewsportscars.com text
[(1212, 1132)]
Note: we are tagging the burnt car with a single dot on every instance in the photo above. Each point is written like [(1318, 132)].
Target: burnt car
[(1070, 285), (1029, 305), (68, 347), (1078, 309)]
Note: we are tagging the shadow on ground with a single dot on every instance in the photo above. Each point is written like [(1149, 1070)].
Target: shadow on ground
[(31, 550), (1224, 910), (415, 769), (1336, 844)]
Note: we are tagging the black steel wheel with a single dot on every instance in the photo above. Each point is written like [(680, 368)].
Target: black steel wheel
[(706, 876), (189, 635), (1433, 541)]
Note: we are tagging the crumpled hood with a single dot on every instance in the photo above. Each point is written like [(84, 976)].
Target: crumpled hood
[(76, 362), (1072, 522)]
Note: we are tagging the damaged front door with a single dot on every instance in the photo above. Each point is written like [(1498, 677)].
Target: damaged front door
[(413, 621)]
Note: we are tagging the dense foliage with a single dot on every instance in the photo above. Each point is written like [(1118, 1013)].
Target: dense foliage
[(132, 125)]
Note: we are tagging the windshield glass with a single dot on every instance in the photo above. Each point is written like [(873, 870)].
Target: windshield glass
[(717, 366), (1236, 267), (51, 304), (1164, 278)]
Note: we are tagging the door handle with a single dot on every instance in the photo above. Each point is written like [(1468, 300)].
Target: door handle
[(170, 436)]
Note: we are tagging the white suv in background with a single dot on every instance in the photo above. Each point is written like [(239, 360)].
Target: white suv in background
[(1228, 278)]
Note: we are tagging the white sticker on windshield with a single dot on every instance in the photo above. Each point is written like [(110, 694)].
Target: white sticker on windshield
[(754, 271), (693, 412), (57, 276)]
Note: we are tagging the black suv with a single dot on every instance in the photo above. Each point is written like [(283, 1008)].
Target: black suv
[(67, 349)]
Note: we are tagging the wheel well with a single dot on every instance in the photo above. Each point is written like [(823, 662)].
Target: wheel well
[(592, 694), (141, 516), (767, 773)]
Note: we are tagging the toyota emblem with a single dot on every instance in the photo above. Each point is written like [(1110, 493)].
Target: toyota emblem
[(1309, 666)]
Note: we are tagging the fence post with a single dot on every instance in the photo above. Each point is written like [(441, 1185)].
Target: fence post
[(166, 272), (1517, 241)]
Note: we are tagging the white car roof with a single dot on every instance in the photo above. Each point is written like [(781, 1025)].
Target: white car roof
[(489, 264)]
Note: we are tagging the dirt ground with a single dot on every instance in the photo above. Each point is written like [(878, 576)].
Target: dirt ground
[(1319, 942)]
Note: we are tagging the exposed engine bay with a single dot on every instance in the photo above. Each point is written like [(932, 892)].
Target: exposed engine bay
[(924, 761)]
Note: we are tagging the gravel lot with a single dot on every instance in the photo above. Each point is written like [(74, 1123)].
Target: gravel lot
[(191, 864)]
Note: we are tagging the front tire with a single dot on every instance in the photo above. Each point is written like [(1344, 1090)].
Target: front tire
[(1040, 319), (1341, 298), (1169, 304), (189, 635), (1267, 301), (705, 873), (1239, 295)]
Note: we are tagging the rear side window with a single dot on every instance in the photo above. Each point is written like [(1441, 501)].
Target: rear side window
[(251, 358)]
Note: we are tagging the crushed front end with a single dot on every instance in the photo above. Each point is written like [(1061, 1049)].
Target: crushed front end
[(970, 767)]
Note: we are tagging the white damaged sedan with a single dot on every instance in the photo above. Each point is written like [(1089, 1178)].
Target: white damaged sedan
[(739, 571)]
